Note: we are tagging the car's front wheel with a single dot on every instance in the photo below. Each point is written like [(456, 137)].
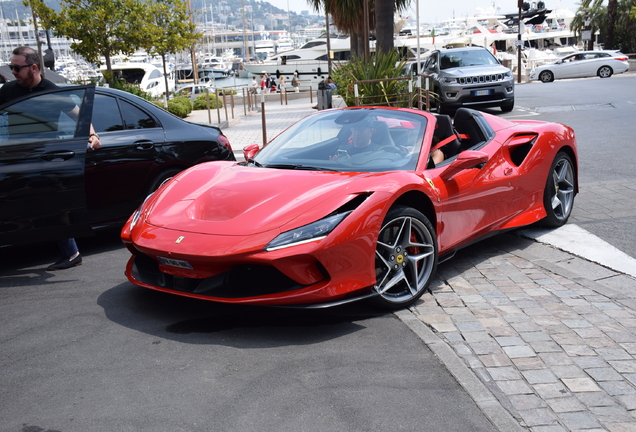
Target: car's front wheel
[(508, 106), (546, 76), (558, 197), (405, 258), (605, 72)]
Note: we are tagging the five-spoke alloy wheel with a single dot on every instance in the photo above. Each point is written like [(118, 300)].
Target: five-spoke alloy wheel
[(546, 76), (558, 197), (605, 72), (405, 258)]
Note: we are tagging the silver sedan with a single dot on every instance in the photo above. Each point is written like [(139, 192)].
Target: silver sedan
[(582, 64)]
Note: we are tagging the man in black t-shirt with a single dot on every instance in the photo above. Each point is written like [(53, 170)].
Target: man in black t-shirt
[(25, 67)]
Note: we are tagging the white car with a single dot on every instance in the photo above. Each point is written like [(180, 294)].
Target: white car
[(582, 64), (194, 90)]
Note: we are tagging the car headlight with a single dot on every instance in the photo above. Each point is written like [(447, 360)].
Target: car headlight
[(449, 80), (137, 213), (313, 232)]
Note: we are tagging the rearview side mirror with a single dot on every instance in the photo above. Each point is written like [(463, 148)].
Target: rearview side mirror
[(250, 151), (465, 160)]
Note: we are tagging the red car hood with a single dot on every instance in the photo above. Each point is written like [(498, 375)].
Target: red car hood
[(229, 199)]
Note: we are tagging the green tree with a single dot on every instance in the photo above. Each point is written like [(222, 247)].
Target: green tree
[(170, 30), (347, 14), (612, 8), (384, 11), (591, 15), (98, 27)]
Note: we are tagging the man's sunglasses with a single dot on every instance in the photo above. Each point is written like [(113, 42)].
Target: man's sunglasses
[(18, 68)]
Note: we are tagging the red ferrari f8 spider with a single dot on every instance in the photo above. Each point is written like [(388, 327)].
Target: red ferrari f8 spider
[(349, 204)]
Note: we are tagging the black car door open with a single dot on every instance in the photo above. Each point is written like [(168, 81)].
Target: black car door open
[(43, 142)]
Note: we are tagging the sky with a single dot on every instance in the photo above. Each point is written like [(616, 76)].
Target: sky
[(435, 10)]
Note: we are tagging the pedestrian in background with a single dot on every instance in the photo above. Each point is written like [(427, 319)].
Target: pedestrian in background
[(281, 84), (296, 82)]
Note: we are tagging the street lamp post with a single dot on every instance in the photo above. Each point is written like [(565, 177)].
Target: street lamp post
[(520, 5)]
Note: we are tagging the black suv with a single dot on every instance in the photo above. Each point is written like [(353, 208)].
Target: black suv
[(469, 76)]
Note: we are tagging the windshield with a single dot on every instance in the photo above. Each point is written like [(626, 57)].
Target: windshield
[(461, 58), (355, 140)]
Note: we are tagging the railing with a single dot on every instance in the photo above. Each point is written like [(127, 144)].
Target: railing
[(416, 97)]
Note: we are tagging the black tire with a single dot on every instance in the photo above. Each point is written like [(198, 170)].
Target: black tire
[(161, 178), (546, 76), (558, 196), (405, 258), (508, 106), (605, 72)]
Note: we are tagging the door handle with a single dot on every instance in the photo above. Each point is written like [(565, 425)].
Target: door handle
[(144, 145), (59, 155)]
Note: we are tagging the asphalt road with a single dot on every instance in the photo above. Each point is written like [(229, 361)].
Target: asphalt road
[(84, 350)]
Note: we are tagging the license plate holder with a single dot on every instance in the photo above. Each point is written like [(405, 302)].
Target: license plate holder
[(175, 263), (482, 92)]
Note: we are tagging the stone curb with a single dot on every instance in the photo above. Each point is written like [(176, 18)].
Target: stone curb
[(483, 397)]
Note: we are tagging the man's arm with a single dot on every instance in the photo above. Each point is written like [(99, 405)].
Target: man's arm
[(93, 139)]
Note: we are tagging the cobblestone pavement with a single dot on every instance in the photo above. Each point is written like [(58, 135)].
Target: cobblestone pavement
[(550, 338), (558, 351)]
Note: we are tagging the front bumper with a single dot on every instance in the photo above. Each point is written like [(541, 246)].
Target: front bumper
[(486, 94)]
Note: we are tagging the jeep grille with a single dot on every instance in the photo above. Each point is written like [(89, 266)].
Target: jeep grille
[(481, 79)]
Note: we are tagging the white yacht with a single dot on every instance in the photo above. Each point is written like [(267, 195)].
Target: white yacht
[(149, 78), (308, 61)]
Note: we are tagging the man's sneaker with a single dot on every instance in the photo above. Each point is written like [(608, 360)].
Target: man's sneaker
[(65, 263)]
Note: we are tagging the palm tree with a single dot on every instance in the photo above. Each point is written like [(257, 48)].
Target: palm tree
[(384, 25), (590, 16), (612, 7), (346, 16)]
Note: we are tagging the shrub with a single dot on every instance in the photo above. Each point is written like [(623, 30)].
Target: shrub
[(180, 106), (382, 66), (225, 91), (121, 84), (200, 102)]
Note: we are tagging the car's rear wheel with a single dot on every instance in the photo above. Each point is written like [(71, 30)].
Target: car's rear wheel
[(605, 72), (546, 76), (405, 258), (161, 178), (558, 197)]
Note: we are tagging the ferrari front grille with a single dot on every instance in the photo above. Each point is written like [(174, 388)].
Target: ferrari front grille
[(239, 282)]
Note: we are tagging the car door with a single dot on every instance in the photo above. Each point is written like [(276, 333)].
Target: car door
[(588, 64), (568, 67), (43, 142), (116, 174), (478, 198)]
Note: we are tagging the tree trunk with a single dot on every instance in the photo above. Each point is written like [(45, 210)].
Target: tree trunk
[(612, 7), (353, 42), (165, 79), (384, 11), (632, 27)]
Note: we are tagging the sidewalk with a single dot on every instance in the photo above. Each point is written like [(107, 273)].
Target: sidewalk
[(244, 130), (543, 340)]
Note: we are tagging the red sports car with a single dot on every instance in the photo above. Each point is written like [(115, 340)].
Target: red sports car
[(349, 204)]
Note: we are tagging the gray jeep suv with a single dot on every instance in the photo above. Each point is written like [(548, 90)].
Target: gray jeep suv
[(469, 76)]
